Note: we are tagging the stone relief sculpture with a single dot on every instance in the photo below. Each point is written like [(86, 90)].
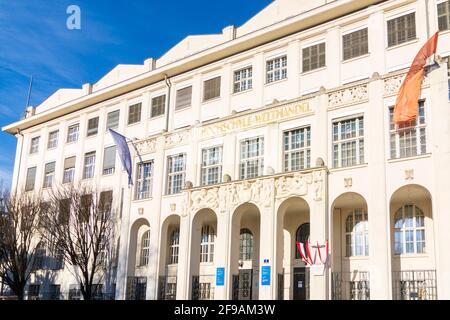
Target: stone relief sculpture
[(262, 192)]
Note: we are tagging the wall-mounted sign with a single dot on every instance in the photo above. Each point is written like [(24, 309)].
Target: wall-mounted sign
[(265, 275), (220, 276)]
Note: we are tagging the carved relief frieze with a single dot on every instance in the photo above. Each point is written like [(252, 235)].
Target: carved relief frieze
[(146, 146), (262, 192), (347, 96)]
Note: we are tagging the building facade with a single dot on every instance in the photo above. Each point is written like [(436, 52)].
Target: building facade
[(245, 142)]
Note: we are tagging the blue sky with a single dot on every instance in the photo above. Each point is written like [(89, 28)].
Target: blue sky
[(34, 40)]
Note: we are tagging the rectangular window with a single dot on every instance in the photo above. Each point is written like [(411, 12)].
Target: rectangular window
[(297, 149), (211, 165), (211, 89), (348, 142), (72, 133), (55, 292), (134, 113), (184, 98), (158, 106), (92, 129), (243, 80), (49, 174), (314, 57), (276, 69), (74, 292), (176, 173), (112, 120), (401, 29), (443, 10), (355, 44), (89, 165), (409, 139), (69, 170), (34, 147), (252, 158), (144, 180), (53, 139), (33, 292), (109, 160), (105, 205), (31, 176)]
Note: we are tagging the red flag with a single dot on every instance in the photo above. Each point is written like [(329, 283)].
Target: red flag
[(406, 106)]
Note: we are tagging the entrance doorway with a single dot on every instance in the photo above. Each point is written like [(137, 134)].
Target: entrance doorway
[(301, 283)]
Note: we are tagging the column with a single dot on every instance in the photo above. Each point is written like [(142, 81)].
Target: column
[(440, 148), (318, 217), (377, 202)]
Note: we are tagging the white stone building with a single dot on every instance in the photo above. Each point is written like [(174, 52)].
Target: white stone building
[(273, 131)]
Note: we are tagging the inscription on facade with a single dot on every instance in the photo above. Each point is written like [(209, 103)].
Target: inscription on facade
[(259, 118)]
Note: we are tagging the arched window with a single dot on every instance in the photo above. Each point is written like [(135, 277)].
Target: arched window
[(357, 234), (302, 235), (145, 248), (246, 245), (207, 244), (174, 246), (409, 230)]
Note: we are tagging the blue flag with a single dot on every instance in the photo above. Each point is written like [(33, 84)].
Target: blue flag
[(124, 153)]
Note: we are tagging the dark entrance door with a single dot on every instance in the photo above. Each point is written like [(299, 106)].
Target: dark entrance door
[(245, 284), (301, 284)]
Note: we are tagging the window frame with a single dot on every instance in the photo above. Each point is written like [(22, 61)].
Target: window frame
[(396, 31), (89, 167), (171, 175), (132, 112), (244, 163), (359, 158), (74, 135), (246, 244), (282, 69), (414, 229), (108, 119), (90, 132), (162, 112), (177, 99), (363, 48), (51, 141), (49, 177), (306, 149), (445, 3), (34, 146), (144, 254), (139, 194), (207, 243), (419, 126), (205, 169), (28, 185), (174, 246), (244, 83), (207, 95), (354, 234), (317, 58)]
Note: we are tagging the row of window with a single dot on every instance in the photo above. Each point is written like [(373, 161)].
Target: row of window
[(347, 149), (354, 44), (409, 237), (54, 292)]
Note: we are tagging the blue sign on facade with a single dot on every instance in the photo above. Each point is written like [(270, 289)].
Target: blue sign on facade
[(265, 275), (220, 276)]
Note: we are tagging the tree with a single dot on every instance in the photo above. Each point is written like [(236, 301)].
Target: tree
[(19, 239), (79, 224)]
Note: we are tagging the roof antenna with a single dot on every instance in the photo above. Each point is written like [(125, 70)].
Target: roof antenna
[(29, 96), (29, 91)]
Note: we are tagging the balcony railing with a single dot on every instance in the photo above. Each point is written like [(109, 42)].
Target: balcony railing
[(203, 287), (353, 285), (414, 285), (167, 289)]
